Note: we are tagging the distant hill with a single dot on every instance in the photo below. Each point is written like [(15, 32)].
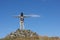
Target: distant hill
[(27, 35), (1, 39)]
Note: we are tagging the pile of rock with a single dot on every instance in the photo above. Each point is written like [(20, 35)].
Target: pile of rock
[(22, 33)]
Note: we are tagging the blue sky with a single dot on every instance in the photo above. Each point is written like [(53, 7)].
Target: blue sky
[(47, 25)]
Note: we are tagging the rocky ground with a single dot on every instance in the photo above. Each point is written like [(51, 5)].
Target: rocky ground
[(27, 35)]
